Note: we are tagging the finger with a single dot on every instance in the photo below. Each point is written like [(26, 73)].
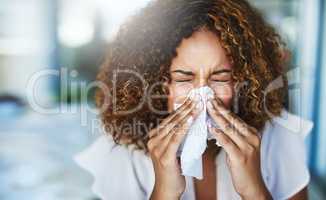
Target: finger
[(182, 128), (169, 118), (237, 122), (226, 143), (177, 135), (193, 100), (176, 139), (227, 128), (179, 124), (174, 123), (189, 111), (251, 135), (184, 105)]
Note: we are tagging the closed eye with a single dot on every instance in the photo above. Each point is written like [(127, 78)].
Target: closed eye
[(221, 81), (180, 81)]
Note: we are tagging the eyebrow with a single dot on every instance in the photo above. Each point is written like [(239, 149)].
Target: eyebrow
[(221, 71), (189, 73)]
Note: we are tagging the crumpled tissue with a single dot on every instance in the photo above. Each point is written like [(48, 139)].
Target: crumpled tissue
[(195, 143)]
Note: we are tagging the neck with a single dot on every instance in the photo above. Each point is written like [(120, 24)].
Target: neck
[(211, 150)]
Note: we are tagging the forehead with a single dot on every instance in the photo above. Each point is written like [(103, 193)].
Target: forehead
[(200, 51)]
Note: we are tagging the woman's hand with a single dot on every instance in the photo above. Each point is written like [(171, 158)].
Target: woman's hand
[(163, 145), (242, 145)]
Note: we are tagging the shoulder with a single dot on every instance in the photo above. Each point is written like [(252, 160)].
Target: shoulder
[(119, 172), (284, 154), (286, 132)]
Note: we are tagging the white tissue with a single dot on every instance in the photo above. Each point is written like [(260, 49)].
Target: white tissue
[(194, 144)]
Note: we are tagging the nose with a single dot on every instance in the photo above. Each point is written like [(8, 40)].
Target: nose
[(202, 78), (201, 82)]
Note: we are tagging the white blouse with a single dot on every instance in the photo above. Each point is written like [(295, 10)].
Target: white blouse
[(123, 173)]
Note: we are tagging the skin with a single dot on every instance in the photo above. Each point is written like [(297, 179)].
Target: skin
[(201, 61)]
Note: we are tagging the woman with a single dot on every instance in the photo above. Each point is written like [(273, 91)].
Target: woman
[(161, 53)]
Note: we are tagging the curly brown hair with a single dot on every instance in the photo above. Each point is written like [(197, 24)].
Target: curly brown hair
[(146, 44)]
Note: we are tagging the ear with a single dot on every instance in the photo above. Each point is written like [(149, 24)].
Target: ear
[(166, 88)]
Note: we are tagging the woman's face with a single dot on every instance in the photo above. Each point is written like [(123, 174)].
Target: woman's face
[(201, 61)]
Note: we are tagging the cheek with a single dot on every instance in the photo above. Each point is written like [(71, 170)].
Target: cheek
[(224, 92), (178, 93)]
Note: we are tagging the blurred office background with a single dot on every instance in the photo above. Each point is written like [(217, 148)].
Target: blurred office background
[(40, 38)]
